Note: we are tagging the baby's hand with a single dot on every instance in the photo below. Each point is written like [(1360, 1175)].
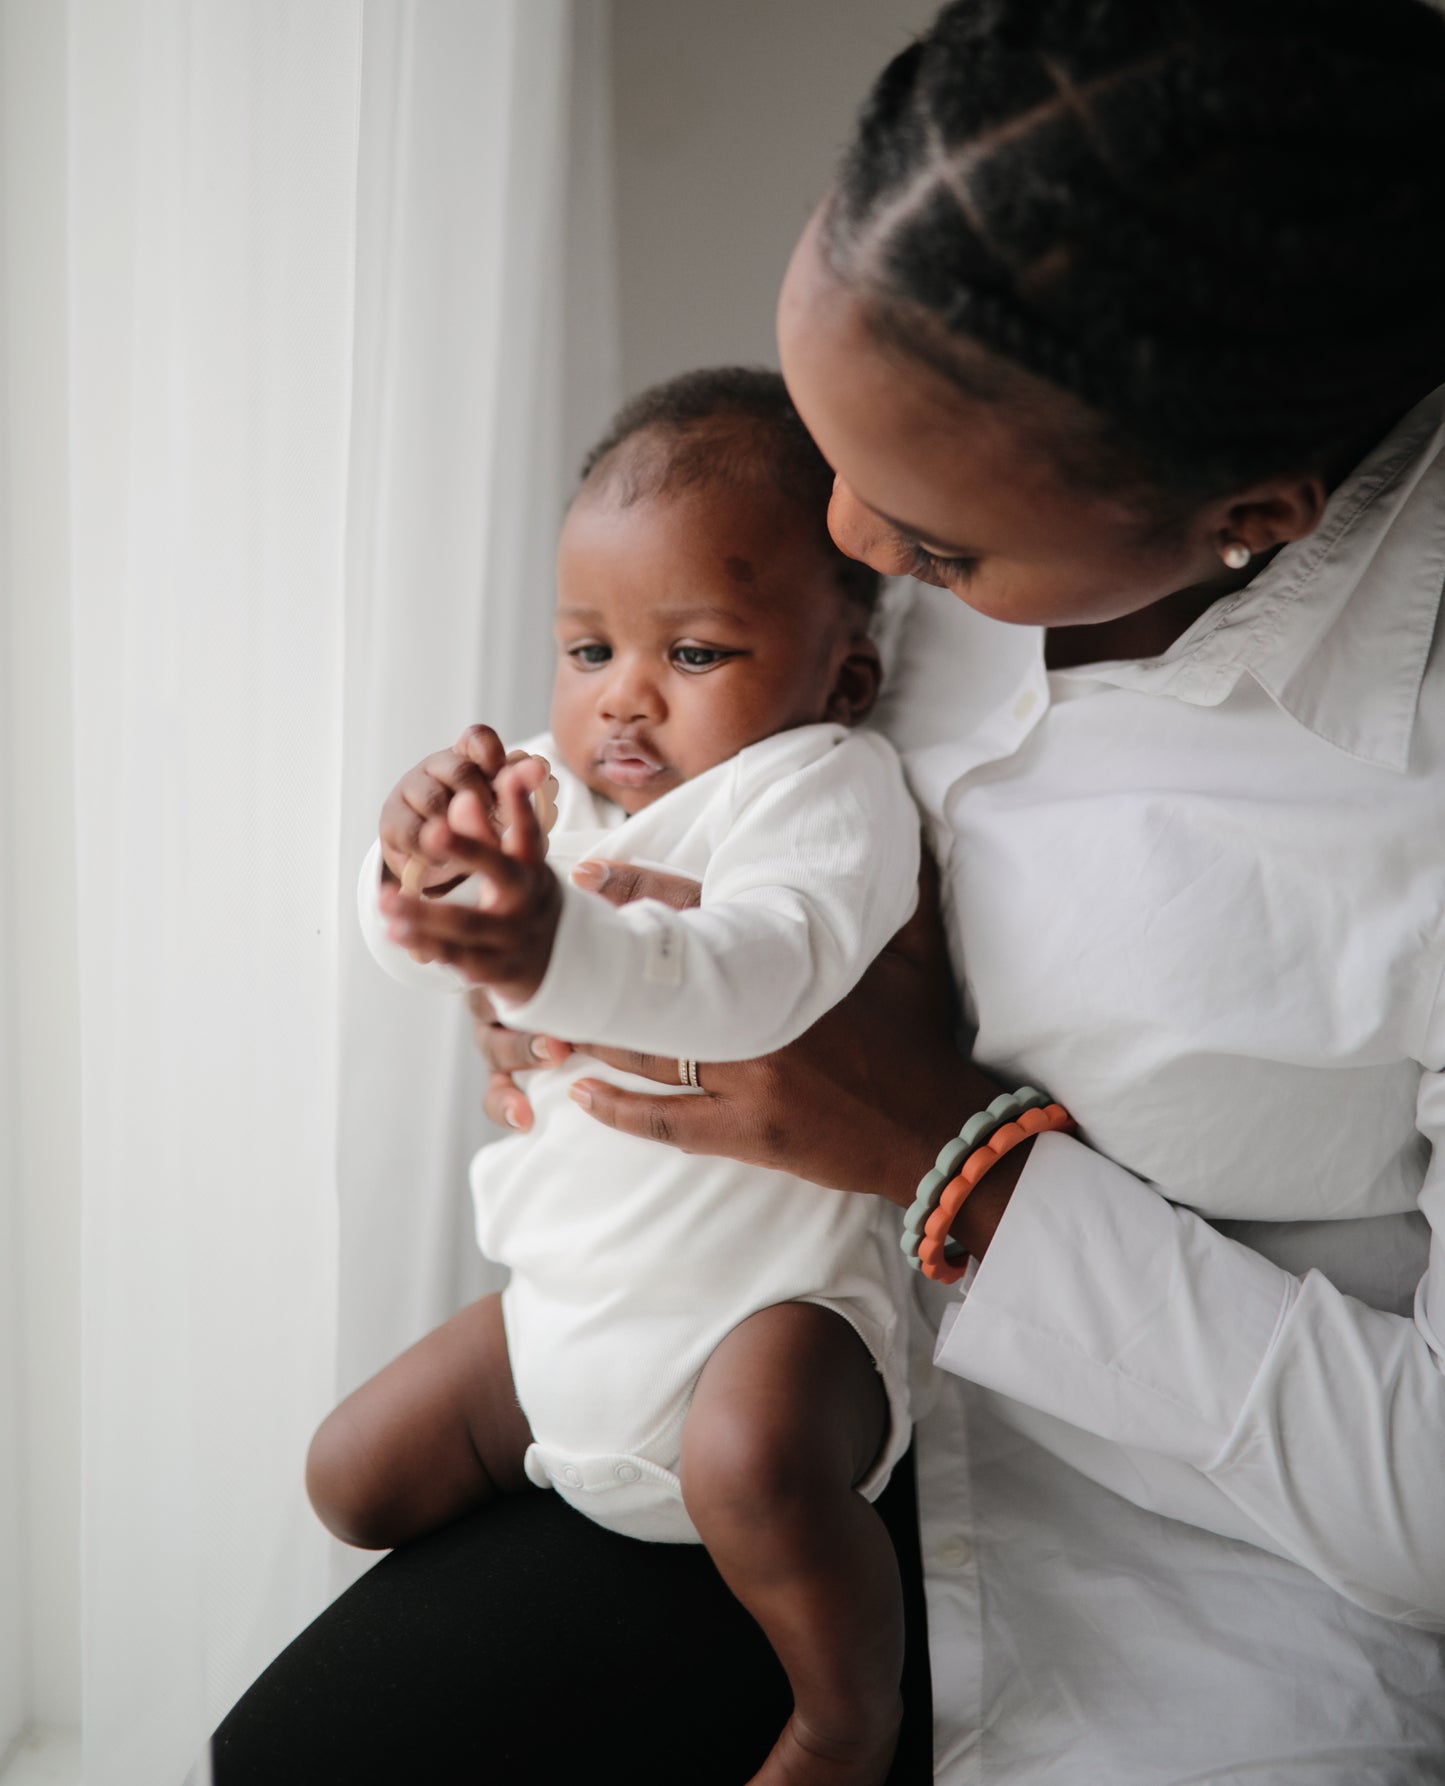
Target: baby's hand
[(505, 941), (425, 793)]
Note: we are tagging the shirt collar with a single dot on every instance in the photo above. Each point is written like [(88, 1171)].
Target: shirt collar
[(1337, 628)]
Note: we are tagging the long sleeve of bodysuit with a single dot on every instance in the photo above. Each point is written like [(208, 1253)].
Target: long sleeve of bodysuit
[(811, 866)]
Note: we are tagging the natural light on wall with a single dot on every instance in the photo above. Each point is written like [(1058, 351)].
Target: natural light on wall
[(298, 341)]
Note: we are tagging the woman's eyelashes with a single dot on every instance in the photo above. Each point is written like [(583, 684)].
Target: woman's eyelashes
[(929, 567)]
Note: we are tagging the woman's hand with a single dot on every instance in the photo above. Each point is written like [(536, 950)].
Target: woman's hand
[(862, 1102), (508, 1051)]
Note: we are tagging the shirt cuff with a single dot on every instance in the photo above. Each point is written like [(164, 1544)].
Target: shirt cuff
[(1103, 1304)]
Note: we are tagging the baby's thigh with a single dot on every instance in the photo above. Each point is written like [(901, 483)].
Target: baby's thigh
[(432, 1432), (790, 1405)]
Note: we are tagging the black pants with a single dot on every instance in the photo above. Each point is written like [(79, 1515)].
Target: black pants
[(525, 1644)]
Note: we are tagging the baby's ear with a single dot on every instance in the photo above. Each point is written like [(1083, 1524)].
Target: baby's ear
[(857, 677)]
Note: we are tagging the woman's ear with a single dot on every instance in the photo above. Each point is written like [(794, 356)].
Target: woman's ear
[(857, 677), (1273, 513)]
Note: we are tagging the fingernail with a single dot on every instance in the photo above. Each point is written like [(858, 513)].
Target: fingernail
[(486, 896), (579, 1094), (540, 1050), (591, 877), (514, 1120)]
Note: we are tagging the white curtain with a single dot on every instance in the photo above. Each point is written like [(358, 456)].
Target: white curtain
[(338, 316)]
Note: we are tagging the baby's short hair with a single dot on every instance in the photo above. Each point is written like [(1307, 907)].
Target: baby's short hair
[(732, 425)]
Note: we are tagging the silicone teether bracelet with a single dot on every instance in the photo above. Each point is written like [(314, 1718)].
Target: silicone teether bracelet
[(955, 1157), (933, 1248)]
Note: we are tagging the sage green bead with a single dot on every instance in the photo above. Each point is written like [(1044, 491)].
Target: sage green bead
[(951, 1156)]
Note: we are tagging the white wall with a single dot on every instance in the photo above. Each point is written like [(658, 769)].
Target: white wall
[(729, 115), (37, 905)]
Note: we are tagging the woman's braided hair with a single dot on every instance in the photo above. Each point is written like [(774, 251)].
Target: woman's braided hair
[(1217, 223)]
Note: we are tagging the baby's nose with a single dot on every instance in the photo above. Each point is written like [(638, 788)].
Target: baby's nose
[(630, 693)]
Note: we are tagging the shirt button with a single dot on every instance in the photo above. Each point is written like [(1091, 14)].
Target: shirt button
[(627, 1472), (571, 1475), (1025, 704), (955, 1553)]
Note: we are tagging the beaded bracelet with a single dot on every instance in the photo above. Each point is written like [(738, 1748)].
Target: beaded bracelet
[(933, 1254), (957, 1155)]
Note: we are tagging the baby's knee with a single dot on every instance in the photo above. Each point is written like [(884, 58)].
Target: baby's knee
[(341, 1487), (741, 1469)]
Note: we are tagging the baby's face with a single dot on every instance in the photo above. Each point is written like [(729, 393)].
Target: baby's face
[(688, 626)]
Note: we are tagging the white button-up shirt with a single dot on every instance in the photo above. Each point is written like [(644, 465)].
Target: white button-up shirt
[(1184, 1493)]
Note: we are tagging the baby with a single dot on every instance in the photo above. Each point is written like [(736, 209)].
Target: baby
[(688, 1349)]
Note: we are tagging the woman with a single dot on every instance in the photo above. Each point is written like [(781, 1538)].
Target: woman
[(1121, 324)]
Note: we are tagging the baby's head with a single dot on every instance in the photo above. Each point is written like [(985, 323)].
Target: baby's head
[(701, 604)]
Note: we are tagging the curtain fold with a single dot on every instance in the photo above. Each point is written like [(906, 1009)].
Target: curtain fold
[(327, 332), (213, 154)]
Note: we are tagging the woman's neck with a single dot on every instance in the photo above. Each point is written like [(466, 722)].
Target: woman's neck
[(1149, 632)]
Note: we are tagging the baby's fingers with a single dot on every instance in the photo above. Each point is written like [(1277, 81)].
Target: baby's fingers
[(482, 746), (523, 838), (467, 817)]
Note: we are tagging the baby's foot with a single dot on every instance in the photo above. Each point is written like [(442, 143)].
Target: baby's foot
[(804, 1756)]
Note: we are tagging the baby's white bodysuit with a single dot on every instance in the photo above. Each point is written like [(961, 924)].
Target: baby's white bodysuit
[(630, 1260)]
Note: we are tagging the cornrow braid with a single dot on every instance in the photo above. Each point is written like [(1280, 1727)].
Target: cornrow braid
[(1216, 223), (730, 425)]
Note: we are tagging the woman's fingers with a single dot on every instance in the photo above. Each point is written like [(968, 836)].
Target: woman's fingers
[(622, 882), (514, 1051), (505, 1105), (687, 1124), (664, 1068)]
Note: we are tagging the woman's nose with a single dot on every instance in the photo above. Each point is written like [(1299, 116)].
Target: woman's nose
[(630, 693), (857, 531)]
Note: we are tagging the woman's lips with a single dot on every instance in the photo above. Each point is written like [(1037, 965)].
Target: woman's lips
[(629, 763)]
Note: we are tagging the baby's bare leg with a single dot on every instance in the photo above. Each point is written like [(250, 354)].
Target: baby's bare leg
[(788, 1415), (434, 1433)]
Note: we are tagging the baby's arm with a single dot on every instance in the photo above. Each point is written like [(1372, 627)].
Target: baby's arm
[(818, 871)]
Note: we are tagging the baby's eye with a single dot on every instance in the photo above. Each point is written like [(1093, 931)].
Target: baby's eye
[(589, 657), (699, 657)]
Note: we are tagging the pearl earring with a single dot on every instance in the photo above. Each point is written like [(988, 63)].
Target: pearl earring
[(1236, 554)]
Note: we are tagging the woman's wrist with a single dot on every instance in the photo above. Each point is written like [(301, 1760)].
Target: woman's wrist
[(978, 1220), (952, 1100), (981, 1193)]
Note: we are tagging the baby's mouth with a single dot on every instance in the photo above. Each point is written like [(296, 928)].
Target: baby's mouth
[(629, 763)]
